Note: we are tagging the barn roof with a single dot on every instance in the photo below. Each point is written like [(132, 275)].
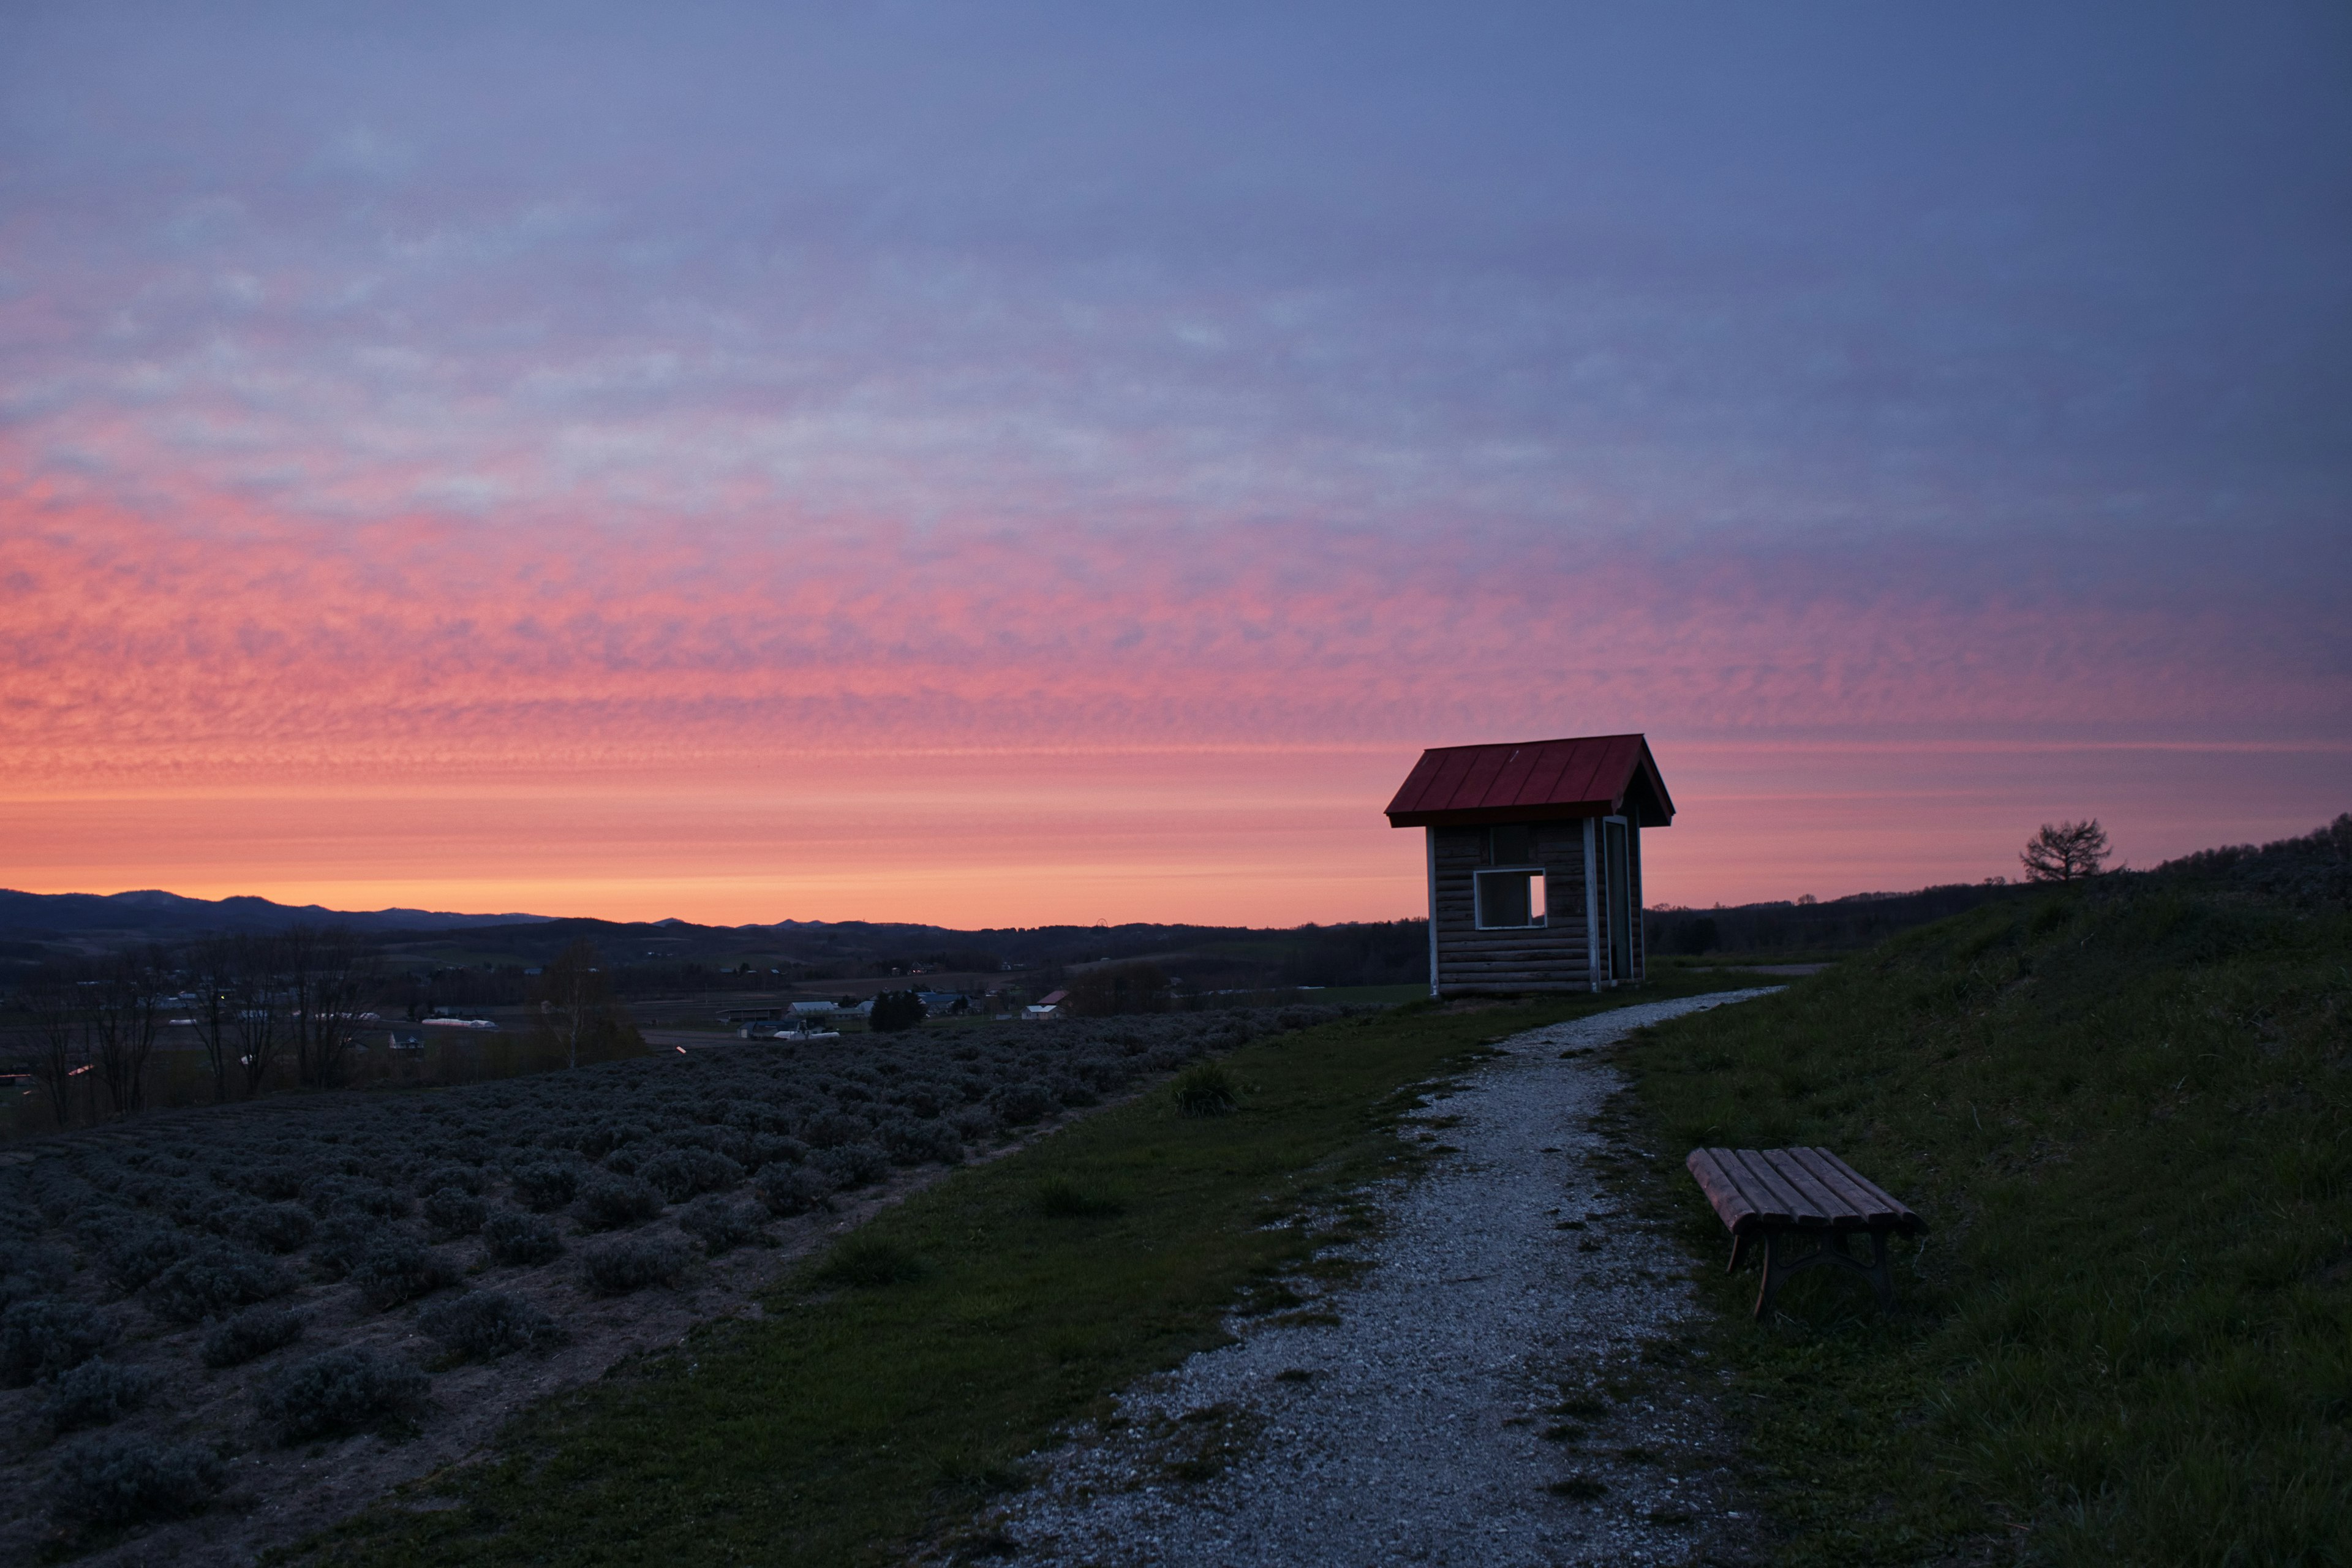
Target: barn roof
[(1533, 781)]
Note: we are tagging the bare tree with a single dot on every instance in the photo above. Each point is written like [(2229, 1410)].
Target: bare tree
[(256, 986), (323, 968), (576, 1007), (217, 970), (2065, 852), (126, 1013), (56, 1034)]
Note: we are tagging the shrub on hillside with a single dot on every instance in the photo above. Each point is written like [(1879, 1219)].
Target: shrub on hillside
[(328, 1193), (342, 1242), (546, 1184), (1019, 1104), (518, 1239), (254, 1332), (720, 1224), (141, 1253), (854, 1165), (608, 1201), (789, 1190), (679, 1173), (29, 1269), (629, 1263), (110, 1481), (483, 1325), (213, 1280), (96, 1393), (465, 1178), (925, 1142), (398, 1269), (337, 1392), (454, 1211), (274, 1227)]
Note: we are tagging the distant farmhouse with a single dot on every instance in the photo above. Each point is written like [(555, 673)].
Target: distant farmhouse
[(1535, 861)]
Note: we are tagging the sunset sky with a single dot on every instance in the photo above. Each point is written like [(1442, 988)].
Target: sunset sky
[(999, 465)]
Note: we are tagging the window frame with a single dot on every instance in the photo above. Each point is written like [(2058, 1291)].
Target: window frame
[(1538, 897)]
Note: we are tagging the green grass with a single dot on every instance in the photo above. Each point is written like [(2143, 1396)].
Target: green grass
[(898, 1380), (2129, 1337)]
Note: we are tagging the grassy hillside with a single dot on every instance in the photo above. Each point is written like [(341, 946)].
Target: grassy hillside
[(2124, 1111)]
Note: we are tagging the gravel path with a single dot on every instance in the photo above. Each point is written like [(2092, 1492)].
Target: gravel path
[(1487, 1394)]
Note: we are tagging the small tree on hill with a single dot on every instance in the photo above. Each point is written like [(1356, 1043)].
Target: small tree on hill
[(2065, 852)]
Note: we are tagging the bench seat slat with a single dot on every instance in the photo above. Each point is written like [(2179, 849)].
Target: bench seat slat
[(1872, 1206), (1837, 1210), (1739, 1210), (1756, 1173), (1909, 1222)]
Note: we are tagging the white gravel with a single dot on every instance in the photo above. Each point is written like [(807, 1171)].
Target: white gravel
[(1483, 1400)]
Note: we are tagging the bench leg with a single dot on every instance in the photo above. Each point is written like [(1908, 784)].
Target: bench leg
[(1829, 1249), (1739, 1251), (1774, 1272)]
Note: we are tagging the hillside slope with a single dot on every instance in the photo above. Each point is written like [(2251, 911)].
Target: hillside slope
[(2128, 1112)]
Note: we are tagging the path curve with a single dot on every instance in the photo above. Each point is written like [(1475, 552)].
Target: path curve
[(1482, 1398)]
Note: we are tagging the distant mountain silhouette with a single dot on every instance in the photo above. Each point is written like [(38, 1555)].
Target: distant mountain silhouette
[(152, 911)]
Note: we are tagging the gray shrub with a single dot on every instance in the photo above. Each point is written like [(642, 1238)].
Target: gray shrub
[(337, 1392), (608, 1201), (254, 1332), (397, 1268), (627, 1263), (454, 1211), (342, 1241), (518, 1239), (45, 1337), (213, 1280), (720, 1224), (141, 1253), (546, 1184), (679, 1173), (110, 1481), (96, 1393), (1018, 1104), (854, 1166), (791, 1189), (465, 1177), (274, 1227), (482, 1325)]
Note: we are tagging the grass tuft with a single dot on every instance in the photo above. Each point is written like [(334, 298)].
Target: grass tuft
[(870, 1262)]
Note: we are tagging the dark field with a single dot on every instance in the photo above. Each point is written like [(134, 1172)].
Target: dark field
[(307, 1269)]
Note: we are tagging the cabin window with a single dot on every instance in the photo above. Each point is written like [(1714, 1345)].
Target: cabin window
[(1508, 898), (1511, 843)]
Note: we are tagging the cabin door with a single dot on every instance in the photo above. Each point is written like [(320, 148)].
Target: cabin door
[(1620, 883)]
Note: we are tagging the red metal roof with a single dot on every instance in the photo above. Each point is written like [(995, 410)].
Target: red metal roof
[(1533, 781)]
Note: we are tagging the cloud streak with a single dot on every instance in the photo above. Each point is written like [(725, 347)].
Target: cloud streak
[(645, 412)]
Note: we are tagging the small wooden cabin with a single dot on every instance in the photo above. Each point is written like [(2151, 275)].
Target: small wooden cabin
[(1535, 861)]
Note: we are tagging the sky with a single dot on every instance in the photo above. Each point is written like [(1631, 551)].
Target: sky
[(1027, 464)]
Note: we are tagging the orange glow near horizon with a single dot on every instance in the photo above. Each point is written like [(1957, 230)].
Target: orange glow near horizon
[(750, 723)]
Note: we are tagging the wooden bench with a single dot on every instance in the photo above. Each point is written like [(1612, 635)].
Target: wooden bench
[(1779, 1195)]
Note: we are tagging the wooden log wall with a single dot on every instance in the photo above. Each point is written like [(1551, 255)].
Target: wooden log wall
[(1550, 957)]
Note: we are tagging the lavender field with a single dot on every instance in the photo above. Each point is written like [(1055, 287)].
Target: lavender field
[(187, 1314)]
